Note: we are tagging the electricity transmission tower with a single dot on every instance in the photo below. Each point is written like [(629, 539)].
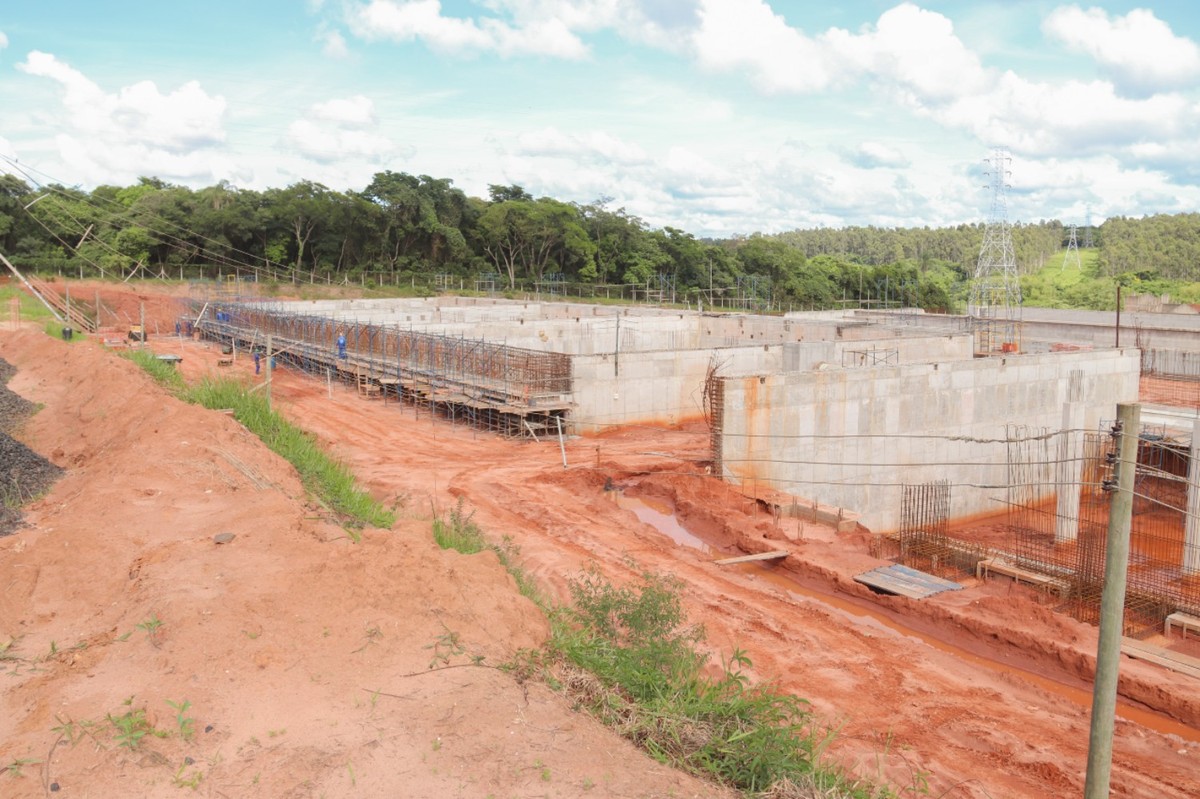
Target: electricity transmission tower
[(994, 306), (1072, 257), (1087, 229)]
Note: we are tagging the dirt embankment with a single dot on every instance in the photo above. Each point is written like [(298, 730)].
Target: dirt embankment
[(303, 658)]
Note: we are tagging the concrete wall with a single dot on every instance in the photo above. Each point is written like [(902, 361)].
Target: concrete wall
[(1043, 327), (664, 387), (851, 437)]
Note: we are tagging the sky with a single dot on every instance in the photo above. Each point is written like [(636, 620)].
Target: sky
[(717, 117)]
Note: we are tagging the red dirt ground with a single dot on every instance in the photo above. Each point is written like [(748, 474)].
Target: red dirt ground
[(278, 638)]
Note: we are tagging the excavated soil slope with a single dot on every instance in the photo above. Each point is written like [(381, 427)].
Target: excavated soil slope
[(304, 657)]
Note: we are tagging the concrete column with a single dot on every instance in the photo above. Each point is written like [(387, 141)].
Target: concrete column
[(1069, 474), (1191, 532)]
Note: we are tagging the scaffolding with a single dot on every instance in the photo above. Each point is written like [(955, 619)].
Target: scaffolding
[(552, 284), (660, 290), (508, 390), (750, 290), (1054, 532), (486, 283)]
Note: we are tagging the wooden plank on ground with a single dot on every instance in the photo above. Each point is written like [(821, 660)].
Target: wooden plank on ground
[(903, 581), (774, 554), (1175, 661)]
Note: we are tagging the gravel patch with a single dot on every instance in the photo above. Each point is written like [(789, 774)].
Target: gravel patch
[(23, 473)]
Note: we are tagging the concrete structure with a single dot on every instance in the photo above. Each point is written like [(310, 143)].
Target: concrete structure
[(841, 408), (637, 364), (1043, 328), (851, 438)]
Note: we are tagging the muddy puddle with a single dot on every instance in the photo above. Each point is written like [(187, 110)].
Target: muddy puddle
[(661, 516)]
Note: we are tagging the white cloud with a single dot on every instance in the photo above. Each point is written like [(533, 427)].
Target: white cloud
[(327, 146), (918, 52), (748, 35), (525, 27), (909, 50), (340, 129), (874, 154), (411, 20), (180, 121), (1038, 118), (594, 146), (137, 130), (661, 23), (334, 45), (1138, 51), (3, 40), (349, 112)]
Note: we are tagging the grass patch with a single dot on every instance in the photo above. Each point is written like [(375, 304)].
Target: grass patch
[(459, 531), (164, 373), (628, 656), (325, 478), (31, 309), (54, 329)]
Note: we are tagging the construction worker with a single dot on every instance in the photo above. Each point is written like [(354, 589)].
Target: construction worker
[(341, 345), (257, 361)]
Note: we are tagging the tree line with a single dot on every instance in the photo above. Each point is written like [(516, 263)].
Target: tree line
[(416, 229)]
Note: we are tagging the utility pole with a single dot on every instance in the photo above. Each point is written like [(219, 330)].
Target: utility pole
[(1112, 603)]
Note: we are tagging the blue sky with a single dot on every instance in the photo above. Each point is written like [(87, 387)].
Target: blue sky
[(719, 117)]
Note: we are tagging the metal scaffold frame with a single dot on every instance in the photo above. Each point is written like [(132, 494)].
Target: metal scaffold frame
[(1062, 545), (508, 390)]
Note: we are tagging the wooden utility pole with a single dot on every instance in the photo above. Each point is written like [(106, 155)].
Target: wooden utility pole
[(1112, 604)]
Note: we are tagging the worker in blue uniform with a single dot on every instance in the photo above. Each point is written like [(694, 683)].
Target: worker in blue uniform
[(341, 345)]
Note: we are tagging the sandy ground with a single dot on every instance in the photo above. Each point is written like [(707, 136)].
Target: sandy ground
[(279, 638)]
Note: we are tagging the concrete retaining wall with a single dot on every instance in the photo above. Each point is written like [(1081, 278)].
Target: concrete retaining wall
[(852, 437), (664, 387)]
